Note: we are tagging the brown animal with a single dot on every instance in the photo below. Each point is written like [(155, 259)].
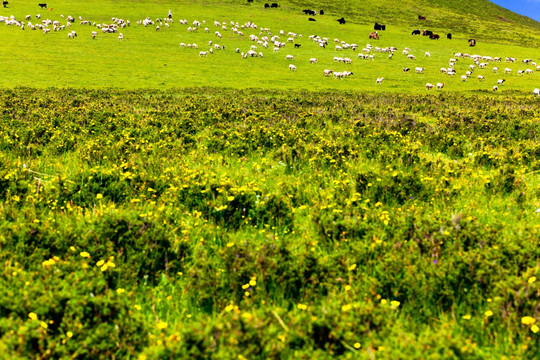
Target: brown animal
[(420, 17), (374, 35), (472, 42)]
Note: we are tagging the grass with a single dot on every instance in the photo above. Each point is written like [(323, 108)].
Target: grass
[(149, 59), (156, 204)]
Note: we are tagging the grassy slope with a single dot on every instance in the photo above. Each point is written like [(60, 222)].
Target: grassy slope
[(147, 58)]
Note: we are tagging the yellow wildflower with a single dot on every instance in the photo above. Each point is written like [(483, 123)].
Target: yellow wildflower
[(528, 320), (33, 316), (84, 254), (488, 313), (161, 325), (532, 279)]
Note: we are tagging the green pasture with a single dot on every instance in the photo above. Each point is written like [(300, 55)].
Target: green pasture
[(147, 58)]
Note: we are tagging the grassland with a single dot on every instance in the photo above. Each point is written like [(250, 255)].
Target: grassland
[(155, 204), (147, 58)]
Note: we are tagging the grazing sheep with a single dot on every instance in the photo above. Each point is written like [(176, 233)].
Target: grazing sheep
[(120, 36), (495, 69), (536, 92), (203, 53), (443, 70), (481, 77), (495, 88), (379, 80), (500, 81), (406, 69), (507, 71), (289, 57), (411, 57), (94, 34), (427, 54), (292, 67), (419, 70), (440, 85), (313, 60), (328, 72), (464, 77), (429, 86)]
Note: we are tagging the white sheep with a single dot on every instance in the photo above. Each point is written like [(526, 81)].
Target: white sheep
[(289, 57), (427, 54), (481, 77), (120, 36), (536, 92), (429, 86), (328, 72), (440, 85), (313, 60), (500, 81), (292, 67), (495, 88), (379, 80), (94, 34), (419, 70), (463, 77), (203, 53)]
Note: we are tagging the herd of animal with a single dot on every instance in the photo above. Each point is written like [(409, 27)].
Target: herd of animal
[(261, 38)]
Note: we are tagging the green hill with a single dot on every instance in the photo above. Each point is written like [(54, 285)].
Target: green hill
[(479, 18), (149, 58)]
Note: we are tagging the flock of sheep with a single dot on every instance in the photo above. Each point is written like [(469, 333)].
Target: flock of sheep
[(260, 38)]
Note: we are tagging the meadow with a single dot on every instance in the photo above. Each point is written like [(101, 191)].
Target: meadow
[(147, 58), (257, 224), (155, 204)]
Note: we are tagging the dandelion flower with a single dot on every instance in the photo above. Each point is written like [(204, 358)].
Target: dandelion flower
[(532, 279), (84, 254), (488, 313), (100, 263), (161, 325), (69, 334), (528, 320), (44, 325), (33, 316), (120, 291), (357, 345), (467, 317), (302, 306), (535, 329), (395, 303), (352, 267), (346, 307)]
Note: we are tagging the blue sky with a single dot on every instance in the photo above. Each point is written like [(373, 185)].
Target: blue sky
[(529, 8)]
